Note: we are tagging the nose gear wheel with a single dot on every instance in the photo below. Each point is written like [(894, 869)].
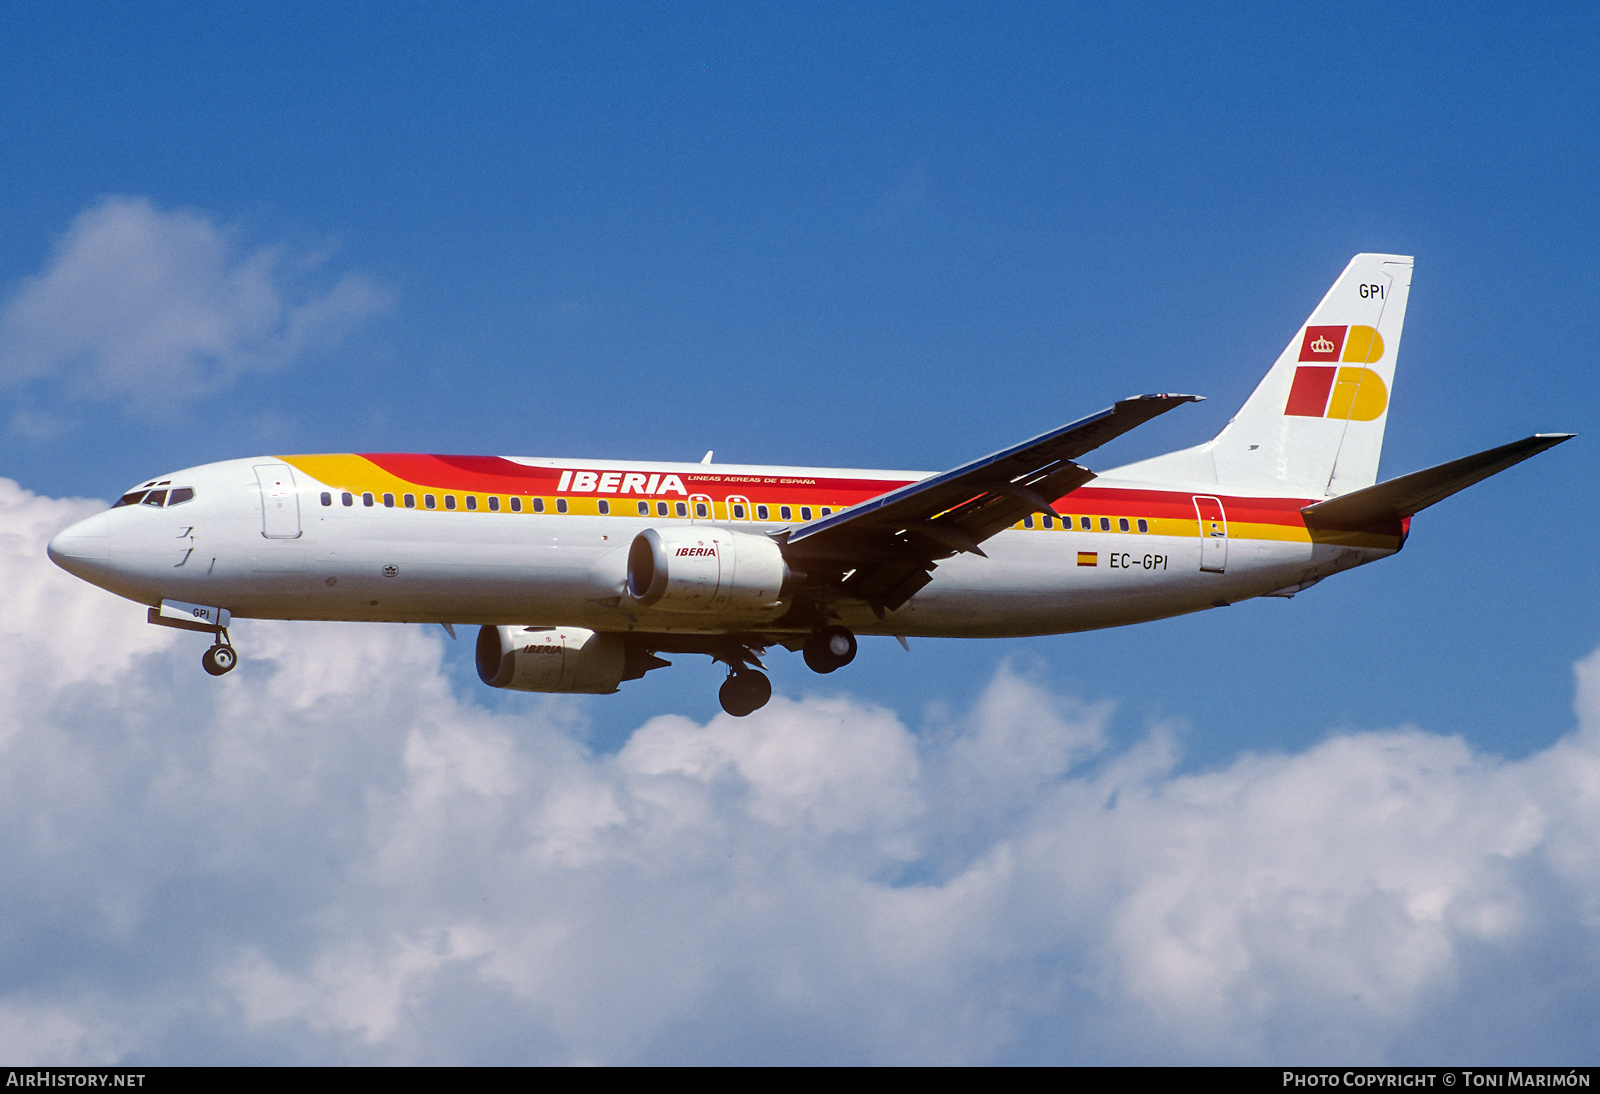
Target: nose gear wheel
[(220, 658)]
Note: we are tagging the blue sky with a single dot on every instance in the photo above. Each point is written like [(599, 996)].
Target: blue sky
[(851, 235)]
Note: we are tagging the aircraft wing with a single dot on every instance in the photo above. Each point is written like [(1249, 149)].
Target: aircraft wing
[(1391, 501), (883, 549)]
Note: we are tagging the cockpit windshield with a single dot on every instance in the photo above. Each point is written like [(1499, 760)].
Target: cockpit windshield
[(158, 498)]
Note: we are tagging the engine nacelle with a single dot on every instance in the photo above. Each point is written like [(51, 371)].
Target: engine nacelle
[(701, 568), (568, 659)]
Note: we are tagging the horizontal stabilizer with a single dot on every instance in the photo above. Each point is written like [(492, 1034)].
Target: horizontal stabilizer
[(1409, 494)]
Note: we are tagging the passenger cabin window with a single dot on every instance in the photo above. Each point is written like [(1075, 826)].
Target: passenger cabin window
[(661, 508), (327, 499), (516, 505), (1144, 525), (179, 496), (1122, 524), (805, 512), (762, 513), (785, 513), (347, 498), (366, 499), (738, 511), (605, 508), (472, 504), (388, 501), (1083, 522), (1049, 522), (644, 509), (1105, 524), (411, 501), (682, 508), (561, 505), (1027, 521), (449, 501), (538, 505), (494, 505), (700, 510), (826, 510), (428, 502)]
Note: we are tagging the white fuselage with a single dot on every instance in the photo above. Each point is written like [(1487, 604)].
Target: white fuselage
[(361, 561)]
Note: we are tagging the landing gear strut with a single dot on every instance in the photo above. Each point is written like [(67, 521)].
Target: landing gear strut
[(745, 691), (830, 648), (220, 658)]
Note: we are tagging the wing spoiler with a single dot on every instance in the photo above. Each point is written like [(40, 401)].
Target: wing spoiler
[(1399, 498)]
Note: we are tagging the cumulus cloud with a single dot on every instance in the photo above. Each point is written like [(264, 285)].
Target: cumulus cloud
[(153, 308), (331, 855)]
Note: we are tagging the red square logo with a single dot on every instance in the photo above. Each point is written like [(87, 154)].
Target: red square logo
[(1308, 398), (1322, 343)]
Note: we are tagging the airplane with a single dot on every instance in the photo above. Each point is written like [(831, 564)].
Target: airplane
[(580, 573)]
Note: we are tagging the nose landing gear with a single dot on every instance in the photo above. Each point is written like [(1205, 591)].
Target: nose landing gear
[(830, 648), (220, 658)]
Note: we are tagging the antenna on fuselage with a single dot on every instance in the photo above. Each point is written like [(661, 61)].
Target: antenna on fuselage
[(707, 457)]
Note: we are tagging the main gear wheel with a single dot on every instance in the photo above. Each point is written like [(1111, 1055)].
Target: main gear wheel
[(830, 648), (744, 692)]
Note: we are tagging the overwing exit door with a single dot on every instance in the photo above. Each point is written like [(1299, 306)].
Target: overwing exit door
[(1213, 534)]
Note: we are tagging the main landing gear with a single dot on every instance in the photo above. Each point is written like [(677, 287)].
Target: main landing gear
[(830, 648), (220, 658), (745, 691)]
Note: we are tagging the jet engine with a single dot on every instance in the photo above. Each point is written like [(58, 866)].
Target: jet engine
[(552, 659), (699, 569)]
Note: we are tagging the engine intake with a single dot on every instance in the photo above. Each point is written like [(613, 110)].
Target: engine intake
[(706, 569)]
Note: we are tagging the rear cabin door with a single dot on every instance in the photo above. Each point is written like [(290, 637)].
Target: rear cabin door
[(280, 502), (1213, 534)]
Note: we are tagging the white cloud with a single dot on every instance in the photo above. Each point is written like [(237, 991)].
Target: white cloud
[(154, 308), (329, 855)]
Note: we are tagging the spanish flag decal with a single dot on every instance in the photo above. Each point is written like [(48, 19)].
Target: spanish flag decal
[(1088, 558)]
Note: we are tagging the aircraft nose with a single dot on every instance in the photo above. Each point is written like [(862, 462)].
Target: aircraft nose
[(84, 545)]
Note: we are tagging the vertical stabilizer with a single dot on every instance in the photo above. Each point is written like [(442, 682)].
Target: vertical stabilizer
[(1315, 424), (1313, 427)]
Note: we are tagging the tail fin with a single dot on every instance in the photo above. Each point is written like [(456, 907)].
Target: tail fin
[(1314, 426)]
